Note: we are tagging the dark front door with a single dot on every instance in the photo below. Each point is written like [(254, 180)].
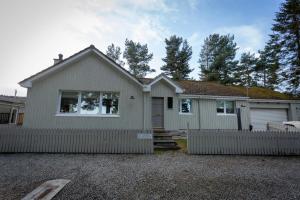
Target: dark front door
[(157, 112)]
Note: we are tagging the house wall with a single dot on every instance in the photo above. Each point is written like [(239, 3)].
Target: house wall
[(147, 110), (203, 116), (294, 112), (163, 89), (89, 74), (209, 119), (4, 108), (190, 120)]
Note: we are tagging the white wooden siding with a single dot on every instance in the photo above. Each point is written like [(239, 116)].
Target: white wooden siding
[(89, 74), (163, 89), (204, 114)]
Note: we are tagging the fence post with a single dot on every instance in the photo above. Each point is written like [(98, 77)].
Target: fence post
[(187, 137), (239, 118)]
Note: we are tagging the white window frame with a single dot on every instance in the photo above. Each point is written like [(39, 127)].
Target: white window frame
[(224, 103), (180, 107), (78, 114)]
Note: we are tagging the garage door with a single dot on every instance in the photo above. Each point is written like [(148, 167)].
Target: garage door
[(260, 117)]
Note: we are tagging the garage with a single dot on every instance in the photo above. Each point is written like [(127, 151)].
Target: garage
[(261, 116)]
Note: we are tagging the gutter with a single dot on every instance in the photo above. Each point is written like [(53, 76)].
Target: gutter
[(213, 97), (272, 101), (12, 104)]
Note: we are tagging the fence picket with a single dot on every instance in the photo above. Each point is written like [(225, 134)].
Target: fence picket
[(73, 141), (243, 142)]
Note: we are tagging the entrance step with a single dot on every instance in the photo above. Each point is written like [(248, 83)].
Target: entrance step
[(160, 130), (162, 137), (158, 147), (163, 140)]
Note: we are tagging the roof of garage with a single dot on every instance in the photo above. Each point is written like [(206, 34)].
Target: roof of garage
[(12, 99)]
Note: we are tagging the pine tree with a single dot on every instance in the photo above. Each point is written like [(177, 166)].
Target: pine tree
[(287, 29), (243, 73), (177, 59), (114, 52), (137, 57), (217, 58), (267, 69)]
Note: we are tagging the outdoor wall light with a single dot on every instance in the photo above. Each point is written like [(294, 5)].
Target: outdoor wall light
[(132, 97)]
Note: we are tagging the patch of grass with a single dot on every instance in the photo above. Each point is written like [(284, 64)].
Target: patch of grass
[(182, 143), (159, 151), (263, 93)]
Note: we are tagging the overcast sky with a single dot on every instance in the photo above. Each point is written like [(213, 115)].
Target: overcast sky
[(33, 32)]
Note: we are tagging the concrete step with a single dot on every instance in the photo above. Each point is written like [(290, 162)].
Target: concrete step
[(162, 137), (164, 141), (161, 147), (160, 131), (165, 144)]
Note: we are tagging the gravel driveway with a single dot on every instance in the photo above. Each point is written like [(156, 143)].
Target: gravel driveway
[(164, 176)]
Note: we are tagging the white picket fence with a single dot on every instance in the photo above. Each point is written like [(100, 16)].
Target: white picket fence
[(243, 142), (13, 140)]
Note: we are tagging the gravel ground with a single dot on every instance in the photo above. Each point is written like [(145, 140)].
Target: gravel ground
[(164, 176)]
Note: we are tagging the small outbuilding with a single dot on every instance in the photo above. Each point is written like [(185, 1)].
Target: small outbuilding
[(12, 109)]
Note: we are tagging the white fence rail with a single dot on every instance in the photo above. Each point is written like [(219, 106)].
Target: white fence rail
[(13, 140), (243, 142)]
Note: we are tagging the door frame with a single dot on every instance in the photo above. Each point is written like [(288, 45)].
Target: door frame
[(163, 112)]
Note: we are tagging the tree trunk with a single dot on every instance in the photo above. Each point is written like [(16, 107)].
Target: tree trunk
[(264, 70)]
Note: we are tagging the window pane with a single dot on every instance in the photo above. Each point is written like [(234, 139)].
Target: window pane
[(170, 102), (110, 103), (69, 102), (186, 105), (220, 106), (229, 106), (115, 104), (89, 103)]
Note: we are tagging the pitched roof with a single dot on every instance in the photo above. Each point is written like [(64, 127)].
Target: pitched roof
[(190, 87), (178, 88), (56, 66), (208, 88), (12, 99), (193, 87), (264, 93)]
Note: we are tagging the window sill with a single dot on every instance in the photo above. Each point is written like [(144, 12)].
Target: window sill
[(223, 114), (82, 115), (185, 113)]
